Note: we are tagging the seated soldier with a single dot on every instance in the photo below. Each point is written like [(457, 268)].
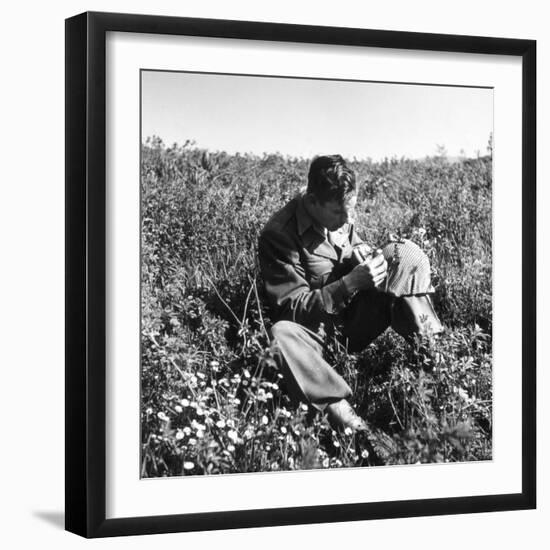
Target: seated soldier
[(321, 279)]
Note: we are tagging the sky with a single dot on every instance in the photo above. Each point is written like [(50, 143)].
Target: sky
[(308, 117)]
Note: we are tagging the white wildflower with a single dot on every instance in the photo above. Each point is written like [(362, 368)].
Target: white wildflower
[(196, 425), (463, 394)]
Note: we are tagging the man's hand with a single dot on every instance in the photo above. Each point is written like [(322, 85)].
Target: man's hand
[(368, 274)]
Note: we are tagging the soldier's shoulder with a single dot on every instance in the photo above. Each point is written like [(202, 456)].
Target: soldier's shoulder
[(284, 220)]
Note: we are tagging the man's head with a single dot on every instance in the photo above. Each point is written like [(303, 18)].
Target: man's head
[(331, 192)]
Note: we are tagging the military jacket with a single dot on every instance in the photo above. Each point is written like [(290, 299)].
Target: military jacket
[(302, 266)]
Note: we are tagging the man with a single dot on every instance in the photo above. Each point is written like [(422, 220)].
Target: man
[(321, 279)]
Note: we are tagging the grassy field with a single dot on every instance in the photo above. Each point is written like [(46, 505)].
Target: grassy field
[(212, 401)]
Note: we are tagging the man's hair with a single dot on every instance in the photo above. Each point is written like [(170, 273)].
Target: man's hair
[(330, 179)]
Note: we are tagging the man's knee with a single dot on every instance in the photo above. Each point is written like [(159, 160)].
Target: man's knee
[(408, 269)]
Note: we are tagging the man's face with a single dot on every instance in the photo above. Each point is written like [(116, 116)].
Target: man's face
[(333, 214)]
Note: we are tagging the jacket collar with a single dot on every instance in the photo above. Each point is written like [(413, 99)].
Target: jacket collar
[(305, 221), (314, 237)]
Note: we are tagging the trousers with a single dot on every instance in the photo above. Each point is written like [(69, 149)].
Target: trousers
[(300, 352)]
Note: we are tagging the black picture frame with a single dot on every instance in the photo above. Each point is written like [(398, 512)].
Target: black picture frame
[(86, 263)]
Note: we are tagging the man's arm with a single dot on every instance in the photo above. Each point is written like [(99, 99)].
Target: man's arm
[(288, 291)]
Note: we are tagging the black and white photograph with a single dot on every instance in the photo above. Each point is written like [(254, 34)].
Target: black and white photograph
[(316, 273)]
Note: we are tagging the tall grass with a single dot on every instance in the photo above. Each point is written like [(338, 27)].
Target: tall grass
[(212, 400)]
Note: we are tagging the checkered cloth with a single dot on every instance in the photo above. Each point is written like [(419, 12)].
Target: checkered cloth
[(408, 269)]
